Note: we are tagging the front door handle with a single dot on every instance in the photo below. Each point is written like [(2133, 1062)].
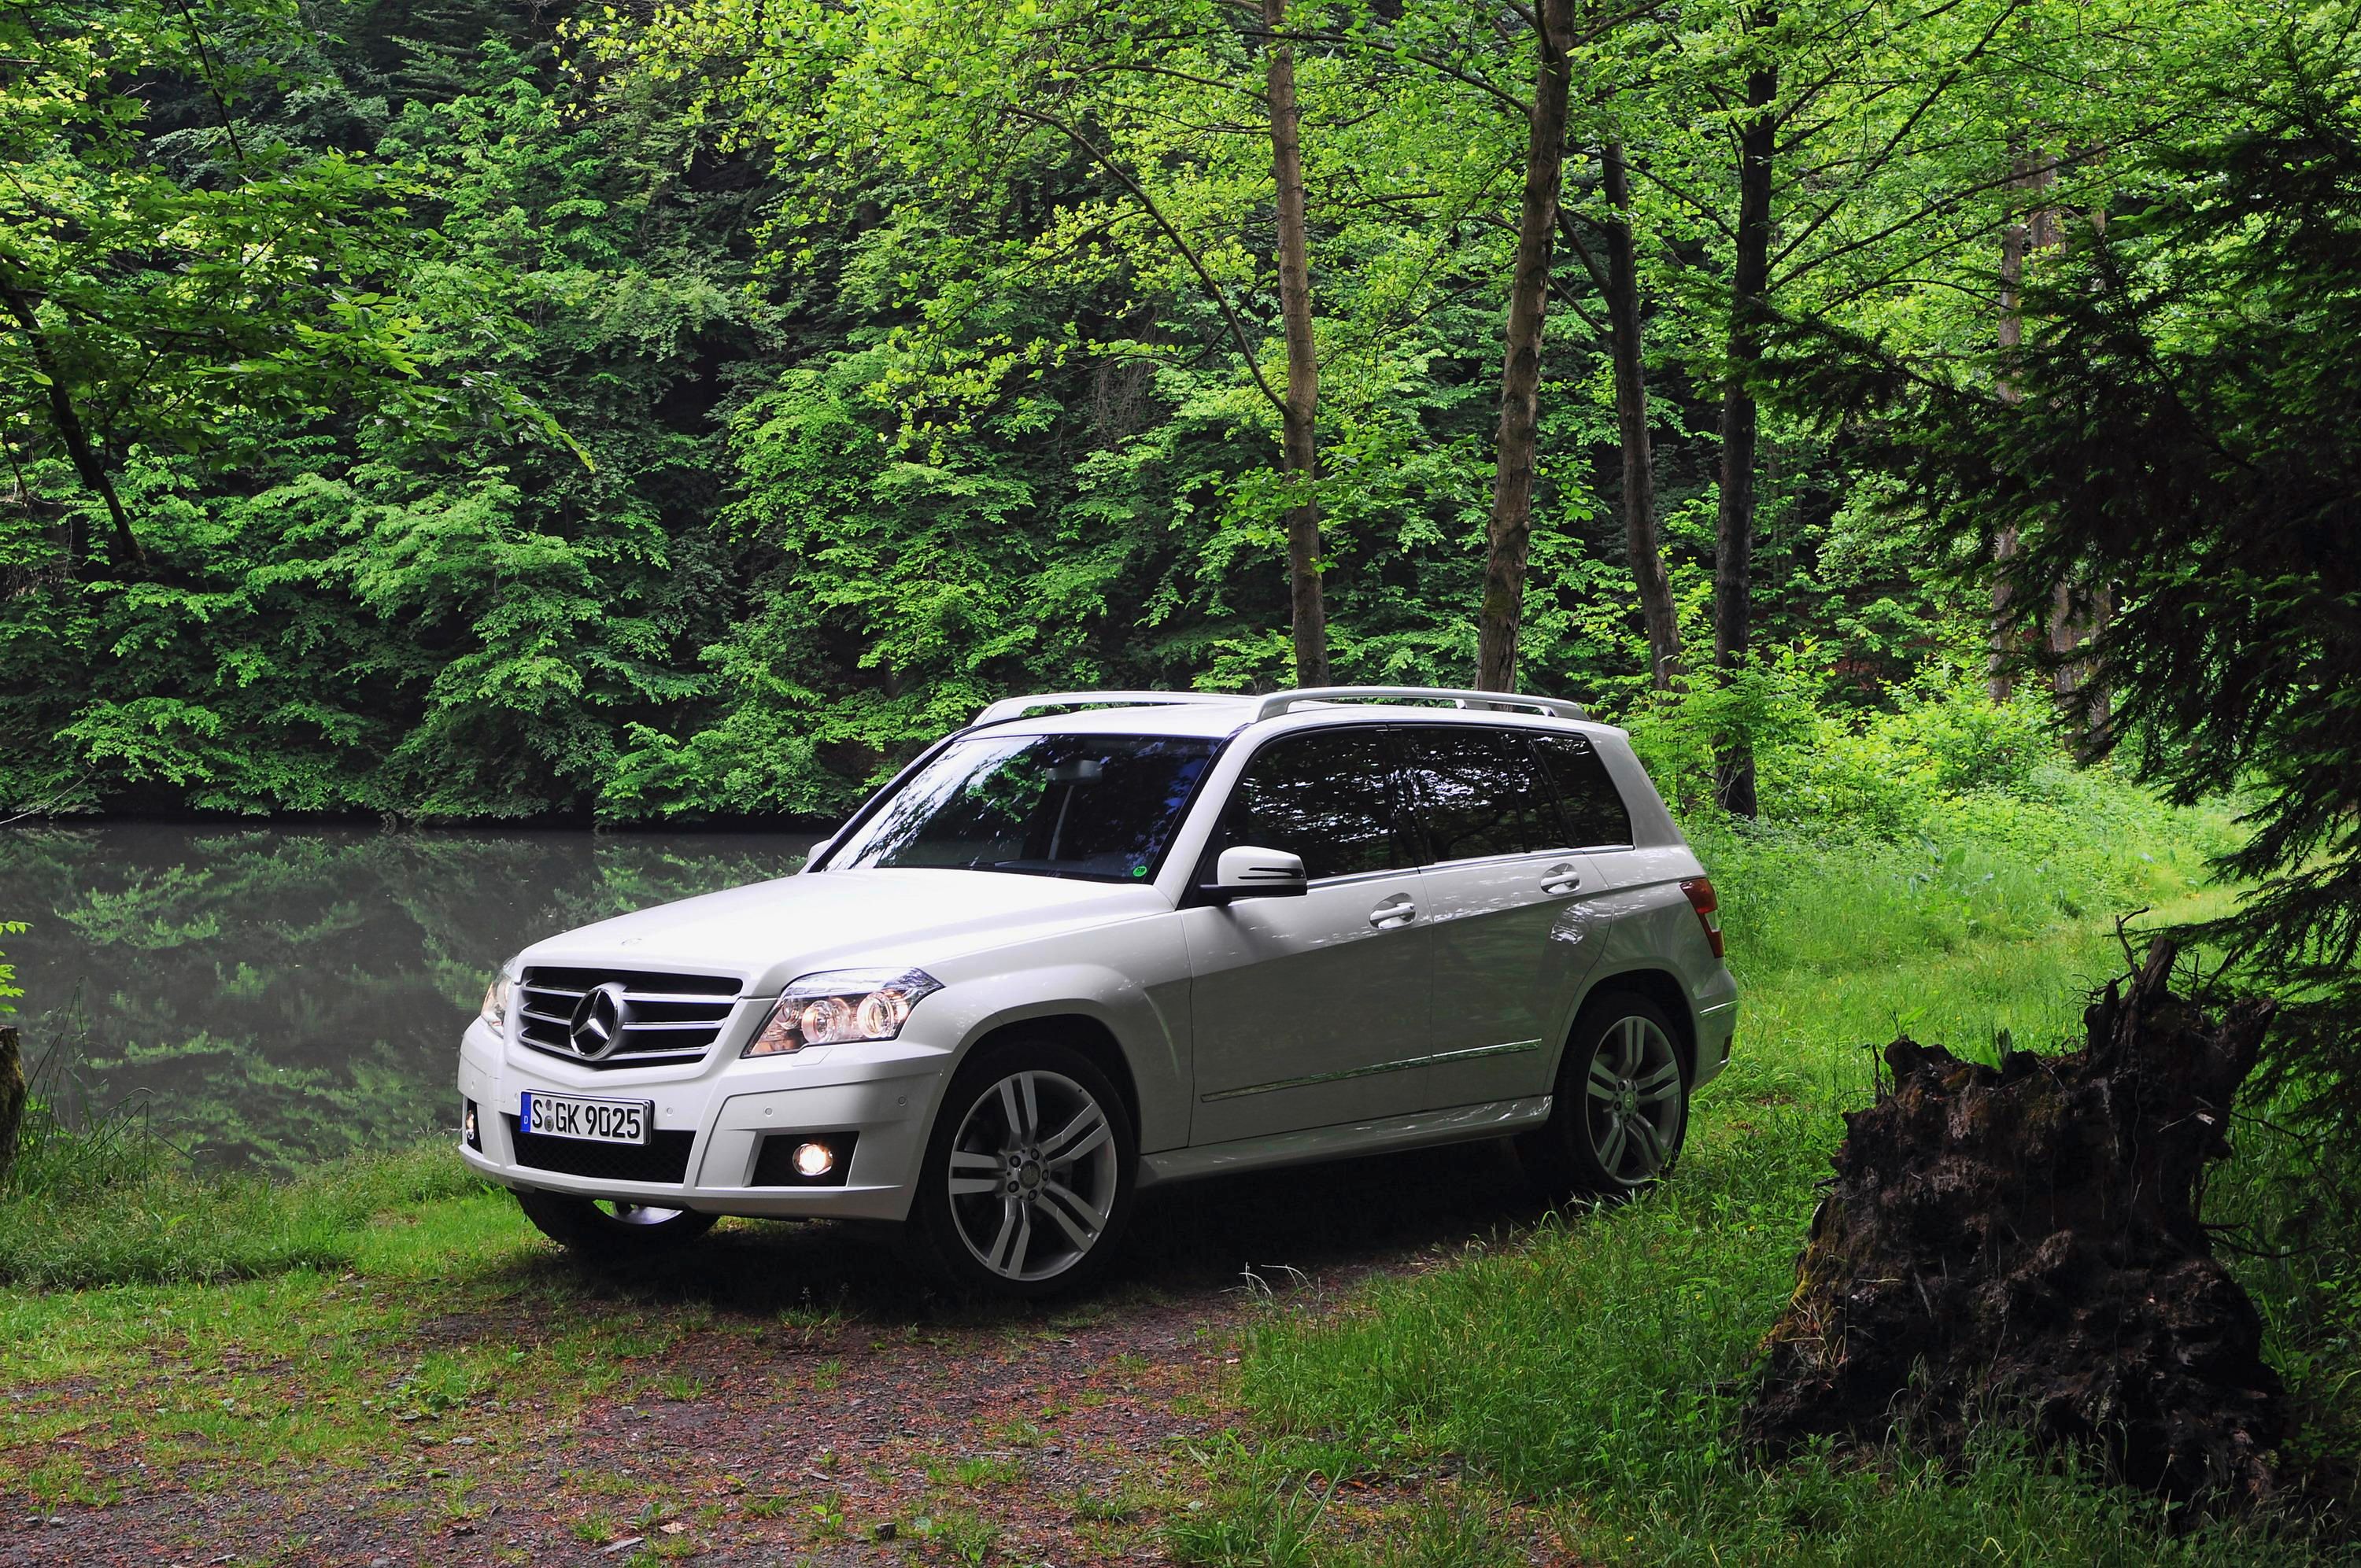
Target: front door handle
[(1398, 910), (1561, 878)]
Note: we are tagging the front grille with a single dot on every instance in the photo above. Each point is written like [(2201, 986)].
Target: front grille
[(666, 1017), (664, 1158)]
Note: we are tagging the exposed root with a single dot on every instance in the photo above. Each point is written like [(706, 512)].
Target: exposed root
[(2021, 1242)]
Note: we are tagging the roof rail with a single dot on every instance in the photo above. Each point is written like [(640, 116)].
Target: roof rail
[(1011, 708), (1556, 708)]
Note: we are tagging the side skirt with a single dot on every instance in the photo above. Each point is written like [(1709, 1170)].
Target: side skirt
[(1463, 1124)]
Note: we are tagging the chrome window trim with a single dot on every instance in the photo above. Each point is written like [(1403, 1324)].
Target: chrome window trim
[(1347, 879)]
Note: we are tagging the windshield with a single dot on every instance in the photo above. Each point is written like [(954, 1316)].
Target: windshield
[(1100, 806)]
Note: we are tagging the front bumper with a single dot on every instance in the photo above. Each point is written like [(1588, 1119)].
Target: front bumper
[(725, 1107)]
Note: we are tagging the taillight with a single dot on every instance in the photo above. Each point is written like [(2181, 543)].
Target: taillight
[(1700, 892)]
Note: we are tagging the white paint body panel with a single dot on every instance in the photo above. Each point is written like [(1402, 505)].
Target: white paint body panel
[(1263, 1032), (1301, 1006)]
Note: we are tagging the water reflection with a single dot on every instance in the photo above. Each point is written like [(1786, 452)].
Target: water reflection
[(276, 995)]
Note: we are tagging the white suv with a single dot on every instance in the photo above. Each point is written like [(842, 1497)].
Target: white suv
[(1099, 940)]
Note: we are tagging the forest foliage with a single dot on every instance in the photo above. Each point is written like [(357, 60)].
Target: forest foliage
[(469, 411)]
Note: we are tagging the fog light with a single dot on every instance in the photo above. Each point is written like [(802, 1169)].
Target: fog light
[(804, 1159), (467, 1133)]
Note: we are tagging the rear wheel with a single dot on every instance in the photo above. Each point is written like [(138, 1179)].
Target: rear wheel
[(605, 1230), (1621, 1103), (1028, 1174)]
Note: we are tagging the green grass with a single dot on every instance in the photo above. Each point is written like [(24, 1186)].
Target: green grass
[(1569, 1391), (151, 1221), (1582, 1382)]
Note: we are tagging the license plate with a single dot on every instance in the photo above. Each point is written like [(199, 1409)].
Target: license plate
[(592, 1121)]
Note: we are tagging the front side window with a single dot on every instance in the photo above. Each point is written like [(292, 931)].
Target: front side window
[(1101, 807), (1326, 795), (1588, 799), (1479, 793)]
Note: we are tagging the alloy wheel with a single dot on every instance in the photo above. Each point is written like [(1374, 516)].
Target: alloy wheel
[(1634, 1103), (1034, 1175)]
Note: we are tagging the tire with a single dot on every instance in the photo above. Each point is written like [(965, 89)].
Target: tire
[(1029, 1174), (611, 1230), (1621, 1103)]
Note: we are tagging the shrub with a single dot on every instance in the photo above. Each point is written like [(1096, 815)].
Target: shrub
[(7, 971), (1889, 773)]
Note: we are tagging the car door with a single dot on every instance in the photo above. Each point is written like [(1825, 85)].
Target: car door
[(1306, 1009), (1504, 934)]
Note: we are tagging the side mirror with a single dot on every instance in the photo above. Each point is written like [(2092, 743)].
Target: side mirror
[(1245, 872), (812, 855)]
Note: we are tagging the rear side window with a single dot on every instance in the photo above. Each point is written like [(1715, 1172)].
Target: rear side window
[(1479, 793), (1587, 797), (1327, 797)]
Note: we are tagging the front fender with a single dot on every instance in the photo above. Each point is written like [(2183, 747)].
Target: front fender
[(1143, 1006)]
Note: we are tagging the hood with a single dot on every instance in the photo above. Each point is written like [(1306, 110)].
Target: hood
[(772, 932)]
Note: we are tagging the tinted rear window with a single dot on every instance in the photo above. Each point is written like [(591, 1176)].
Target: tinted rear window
[(1480, 792), (1587, 797)]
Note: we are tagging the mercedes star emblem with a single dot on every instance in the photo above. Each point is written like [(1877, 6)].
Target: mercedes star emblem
[(597, 1024)]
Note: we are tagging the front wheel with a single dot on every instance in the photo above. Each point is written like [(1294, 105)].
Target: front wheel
[(615, 1231), (1028, 1174), (1621, 1103)]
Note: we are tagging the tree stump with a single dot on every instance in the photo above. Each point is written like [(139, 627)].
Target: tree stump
[(12, 1097), (2021, 1243)]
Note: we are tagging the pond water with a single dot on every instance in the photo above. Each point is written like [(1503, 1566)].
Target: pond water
[(276, 995)]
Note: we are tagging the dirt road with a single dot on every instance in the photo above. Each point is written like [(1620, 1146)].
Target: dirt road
[(791, 1397)]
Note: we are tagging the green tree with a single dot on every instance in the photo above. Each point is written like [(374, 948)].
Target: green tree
[(2179, 422), (177, 293), (772, 385), (1821, 161)]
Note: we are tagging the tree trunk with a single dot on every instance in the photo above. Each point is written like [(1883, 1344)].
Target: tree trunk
[(2023, 1244), (2066, 634), (12, 1097), (1509, 539), (1299, 451), (1997, 678), (1733, 567), (2030, 232), (1639, 542), (2034, 230), (87, 463), (2076, 681)]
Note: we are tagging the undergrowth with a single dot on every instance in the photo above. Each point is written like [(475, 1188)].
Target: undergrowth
[(132, 1212), (101, 1197), (1940, 871), (97, 1195)]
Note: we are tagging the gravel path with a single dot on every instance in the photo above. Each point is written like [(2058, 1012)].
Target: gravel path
[(818, 1407)]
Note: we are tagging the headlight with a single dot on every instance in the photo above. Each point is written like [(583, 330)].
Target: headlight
[(497, 997), (842, 1004)]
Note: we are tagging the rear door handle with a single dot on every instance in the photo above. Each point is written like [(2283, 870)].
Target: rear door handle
[(1398, 910), (1561, 878)]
